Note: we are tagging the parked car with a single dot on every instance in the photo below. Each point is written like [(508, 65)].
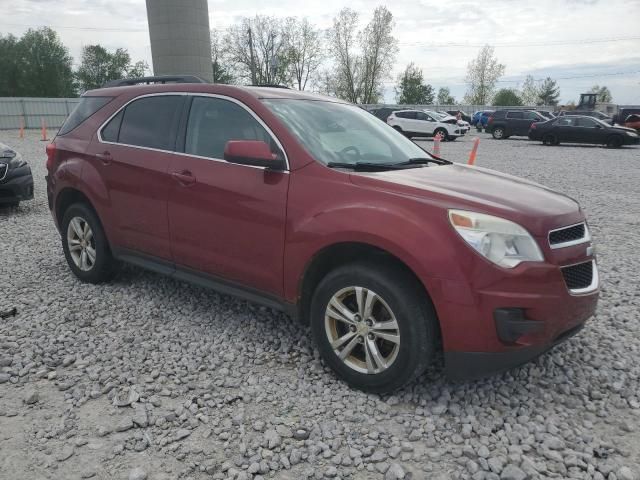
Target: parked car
[(383, 112), (623, 113), (16, 181), (417, 123), (480, 118), (311, 205), (506, 123), (587, 113), (633, 121), (446, 118), (576, 129), (454, 113), (546, 114)]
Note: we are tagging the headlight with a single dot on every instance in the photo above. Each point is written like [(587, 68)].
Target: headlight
[(632, 134), (501, 241), (15, 161)]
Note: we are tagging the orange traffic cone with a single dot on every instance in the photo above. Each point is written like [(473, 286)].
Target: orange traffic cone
[(21, 127), (44, 129), (474, 151), (436, 145)]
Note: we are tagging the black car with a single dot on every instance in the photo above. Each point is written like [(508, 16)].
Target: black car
[(505, 123), (576, 129), (16, 182), (383, 112), (587, 113)]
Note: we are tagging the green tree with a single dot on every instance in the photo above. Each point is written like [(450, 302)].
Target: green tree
[(98, 66), (506, 97), (444, 96), (482, 75), (549, 92), (36, 65), (219, 61), (604, 94), (411, 90)]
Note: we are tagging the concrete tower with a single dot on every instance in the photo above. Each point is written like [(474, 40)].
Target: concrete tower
[(180, 38)]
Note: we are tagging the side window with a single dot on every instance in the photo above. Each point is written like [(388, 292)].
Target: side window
[(111, 130), (531, 116), (565, 122), (515, 115), (151, 122), (422, 116), (214, 121), (586, 122)]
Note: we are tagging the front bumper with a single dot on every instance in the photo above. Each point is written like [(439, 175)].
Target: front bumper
[(629, 140), (17, 186)]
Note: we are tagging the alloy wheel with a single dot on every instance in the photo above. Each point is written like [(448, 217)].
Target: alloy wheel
[(81, 243), (362, 330)]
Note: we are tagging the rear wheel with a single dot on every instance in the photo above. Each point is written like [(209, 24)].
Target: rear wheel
[(373, 326), (615, 141), (498, 133), (85, 245)]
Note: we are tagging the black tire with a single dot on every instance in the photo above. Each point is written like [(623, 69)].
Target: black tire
[(414, 314), (444, 135), (550, 139), (498, 133), (614, 141), (103, 268)]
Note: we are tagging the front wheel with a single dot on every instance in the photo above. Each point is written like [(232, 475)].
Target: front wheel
[(614, 142), (498, 133), (373, 326), (85, 245)]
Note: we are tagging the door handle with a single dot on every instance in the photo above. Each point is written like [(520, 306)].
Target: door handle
[(104, 157), (184, 178)]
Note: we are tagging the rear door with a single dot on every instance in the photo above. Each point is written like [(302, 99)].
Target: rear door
[(131, 156), (227, 220)]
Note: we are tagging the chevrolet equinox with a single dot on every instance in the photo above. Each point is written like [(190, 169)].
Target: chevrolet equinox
[(313, 206)]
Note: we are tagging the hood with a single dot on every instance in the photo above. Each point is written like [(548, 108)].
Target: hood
[(535, 207), (623, 129)]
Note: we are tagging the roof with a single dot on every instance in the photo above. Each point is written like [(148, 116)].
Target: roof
[(219, 89)]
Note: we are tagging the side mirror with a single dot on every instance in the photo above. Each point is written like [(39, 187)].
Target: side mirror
[(598, 125), (253, 152)]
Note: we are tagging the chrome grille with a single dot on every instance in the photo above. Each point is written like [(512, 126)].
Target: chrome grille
[(567, 236)]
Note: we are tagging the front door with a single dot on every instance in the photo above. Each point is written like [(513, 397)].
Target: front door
[(227, 220), (130, 158)]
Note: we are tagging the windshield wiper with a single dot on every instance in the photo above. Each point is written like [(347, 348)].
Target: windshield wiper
[(425, 161), (368, 166)]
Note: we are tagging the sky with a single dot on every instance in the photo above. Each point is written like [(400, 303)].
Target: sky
[(578, 42)]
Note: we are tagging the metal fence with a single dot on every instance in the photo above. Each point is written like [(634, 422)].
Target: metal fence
[(30, 112)]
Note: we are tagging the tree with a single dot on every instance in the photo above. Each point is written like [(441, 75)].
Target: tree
[(359, 72), (507, 97), (305, 51), (549, 92), (258, 49), (98, 66), (221, 73), (530, 91), (444, 96), (36, 65), (482, 75), (604, 94), (411, 90)]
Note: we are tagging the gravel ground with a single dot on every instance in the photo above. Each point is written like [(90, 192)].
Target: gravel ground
[(151, 378)]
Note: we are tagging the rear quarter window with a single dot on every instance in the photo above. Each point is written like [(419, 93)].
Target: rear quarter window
[(87, 107)]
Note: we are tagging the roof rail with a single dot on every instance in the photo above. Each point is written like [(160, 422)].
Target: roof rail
[(157, 79), (271, 85)]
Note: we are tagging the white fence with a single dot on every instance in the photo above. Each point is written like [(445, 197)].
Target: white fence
[(32, 111)]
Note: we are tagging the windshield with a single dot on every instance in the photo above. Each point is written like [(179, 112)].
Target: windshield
[(337, 132)]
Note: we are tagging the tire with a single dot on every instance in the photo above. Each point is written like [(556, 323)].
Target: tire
[(96, 268), (444, 135), (396, 294), (498, 133), (614, 141), (550, 139)]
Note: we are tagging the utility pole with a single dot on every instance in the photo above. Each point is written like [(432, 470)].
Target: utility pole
[(253, 62)]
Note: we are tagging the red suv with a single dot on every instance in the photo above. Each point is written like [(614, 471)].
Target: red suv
[(313, 206)]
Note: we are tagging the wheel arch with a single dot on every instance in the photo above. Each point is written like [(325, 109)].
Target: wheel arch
[(331, 256), (67, 197)]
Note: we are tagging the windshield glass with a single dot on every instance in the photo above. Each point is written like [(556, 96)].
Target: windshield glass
[(337, 132)]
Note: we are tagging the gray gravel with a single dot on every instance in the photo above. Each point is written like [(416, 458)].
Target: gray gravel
[(151, 378)]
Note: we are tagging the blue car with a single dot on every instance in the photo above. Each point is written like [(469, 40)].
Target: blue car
[(481, 116)]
